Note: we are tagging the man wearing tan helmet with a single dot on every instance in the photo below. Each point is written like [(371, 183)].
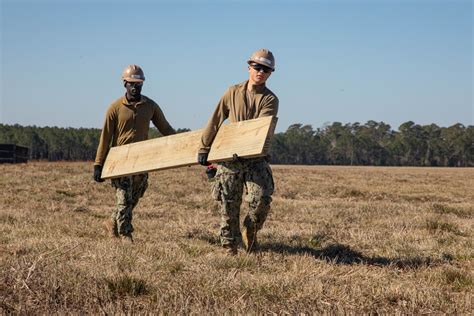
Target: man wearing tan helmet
[(244, 101), (127, 121)]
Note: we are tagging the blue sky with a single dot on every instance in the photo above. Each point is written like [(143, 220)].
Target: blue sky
[(345, 61)]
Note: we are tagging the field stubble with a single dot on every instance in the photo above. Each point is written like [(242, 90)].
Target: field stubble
[(338, 239)]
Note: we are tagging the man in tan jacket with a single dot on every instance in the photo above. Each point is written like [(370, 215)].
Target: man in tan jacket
[(247, 100), (127, 121)]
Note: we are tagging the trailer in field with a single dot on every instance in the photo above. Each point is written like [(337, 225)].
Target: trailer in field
[(11, 153)]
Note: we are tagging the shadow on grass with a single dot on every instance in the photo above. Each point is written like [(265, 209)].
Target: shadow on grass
[(334, 253), (342, 254)]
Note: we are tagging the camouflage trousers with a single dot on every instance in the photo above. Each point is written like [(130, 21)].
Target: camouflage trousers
[(128, 190), (253, 175)]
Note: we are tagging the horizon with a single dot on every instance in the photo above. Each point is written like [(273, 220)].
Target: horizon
[(395, 129)]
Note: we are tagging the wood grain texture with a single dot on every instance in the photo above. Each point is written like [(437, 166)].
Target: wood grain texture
[(247, 139)]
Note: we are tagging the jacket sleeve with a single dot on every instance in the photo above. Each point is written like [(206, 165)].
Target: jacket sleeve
[(106, 136), (221, 113), (159, 120), (270, 106)]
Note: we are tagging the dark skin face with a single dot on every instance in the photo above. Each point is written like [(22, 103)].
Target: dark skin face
[(134, 91)]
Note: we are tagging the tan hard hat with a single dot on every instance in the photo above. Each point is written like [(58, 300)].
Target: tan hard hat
[(133, 73), (263, 57)]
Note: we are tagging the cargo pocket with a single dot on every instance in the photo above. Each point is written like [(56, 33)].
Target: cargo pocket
[(216, 191)]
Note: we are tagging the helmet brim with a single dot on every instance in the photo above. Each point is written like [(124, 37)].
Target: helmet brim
[(133, 80)]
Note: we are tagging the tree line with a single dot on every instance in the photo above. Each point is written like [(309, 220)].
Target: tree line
[(56, 143), (373, 143)]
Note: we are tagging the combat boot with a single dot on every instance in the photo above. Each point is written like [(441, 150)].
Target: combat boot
[(249, 238), (111, 228), (126, 238), (230, 249)]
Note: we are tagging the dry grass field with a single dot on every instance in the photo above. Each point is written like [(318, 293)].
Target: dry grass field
[(338, 240)]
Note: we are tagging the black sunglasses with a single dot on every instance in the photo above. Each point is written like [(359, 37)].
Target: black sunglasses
[(257, 68), (134, 84)]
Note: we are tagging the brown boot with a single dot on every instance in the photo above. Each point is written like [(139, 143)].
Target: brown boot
[(127, 238), (230, 249), (249, 238), (111, 228)]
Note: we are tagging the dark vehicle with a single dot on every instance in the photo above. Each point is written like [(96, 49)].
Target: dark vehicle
[(11, 153)]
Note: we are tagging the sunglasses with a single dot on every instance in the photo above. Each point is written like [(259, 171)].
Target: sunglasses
[(259, 68), (134, 84)]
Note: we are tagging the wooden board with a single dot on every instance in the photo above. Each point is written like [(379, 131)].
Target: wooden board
[(247, 139)]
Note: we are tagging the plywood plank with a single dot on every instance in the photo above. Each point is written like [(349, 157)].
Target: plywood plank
[(246, 139)]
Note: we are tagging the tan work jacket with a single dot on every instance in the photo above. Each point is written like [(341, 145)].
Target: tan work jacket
[(237, 104), (126, 123)]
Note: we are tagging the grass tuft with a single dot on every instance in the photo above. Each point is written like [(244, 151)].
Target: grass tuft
[(127, 286), (458, 279), (436, 225), (459, 212)]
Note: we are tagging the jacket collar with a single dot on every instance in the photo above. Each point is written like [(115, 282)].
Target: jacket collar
[(125, 101), (257, 89)]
